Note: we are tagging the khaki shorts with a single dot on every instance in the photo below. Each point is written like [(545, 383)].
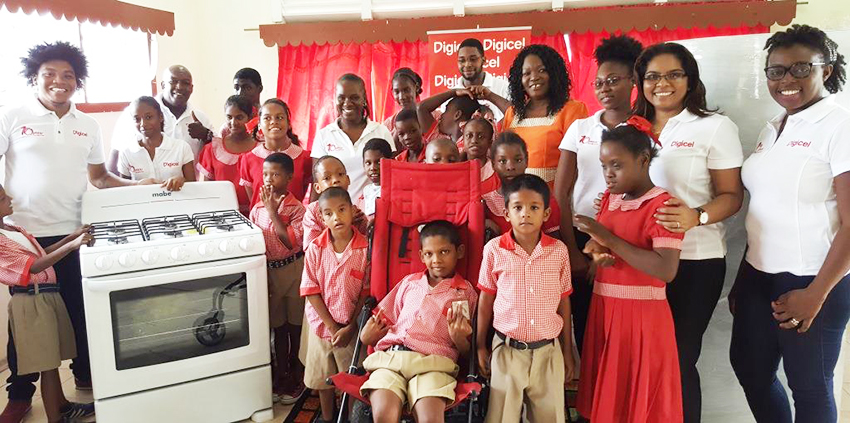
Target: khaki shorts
[(324, 361), (411, 375), (42, 331), (286, 305)]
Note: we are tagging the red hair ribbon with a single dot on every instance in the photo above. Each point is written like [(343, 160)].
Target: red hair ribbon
[(643, 125)]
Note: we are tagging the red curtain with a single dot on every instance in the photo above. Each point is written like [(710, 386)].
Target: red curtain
[(583, 65), (307, 74)]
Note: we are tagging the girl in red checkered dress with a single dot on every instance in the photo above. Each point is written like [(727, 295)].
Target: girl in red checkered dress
[(629, 366)]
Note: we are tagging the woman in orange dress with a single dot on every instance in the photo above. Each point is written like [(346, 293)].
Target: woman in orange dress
[(541, 110)]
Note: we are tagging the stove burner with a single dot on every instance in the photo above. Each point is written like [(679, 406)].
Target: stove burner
[(174, 234), (220, 221), (117, 240), (225, 227), (116, 232)]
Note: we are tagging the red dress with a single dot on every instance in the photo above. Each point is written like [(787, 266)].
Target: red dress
[(629, 363), (251, 170), (217, 163)]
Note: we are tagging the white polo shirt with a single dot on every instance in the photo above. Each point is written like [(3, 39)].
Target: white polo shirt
[(498, 86), (168, 160), (793, 214), (125, 133), (47, 162), (583, 138), (690, 146), (331, 140)]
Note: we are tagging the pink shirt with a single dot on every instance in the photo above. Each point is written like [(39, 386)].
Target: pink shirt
[(291, 212), (16, 261), (341, 282), (417, 314), (528, 288)]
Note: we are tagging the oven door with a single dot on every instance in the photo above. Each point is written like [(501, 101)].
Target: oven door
[(168, 326)]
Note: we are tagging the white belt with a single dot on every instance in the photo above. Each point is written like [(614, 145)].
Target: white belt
[(629, 292)]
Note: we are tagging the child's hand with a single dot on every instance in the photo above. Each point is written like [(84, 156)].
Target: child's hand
[(599, 233), (597, 202), (174, 184), (375, 329), (343, 336), (484, 362), (601, 256), (271, 201), (459, 326), (479, 91), (81, 230), (569, 366), (82, 239)]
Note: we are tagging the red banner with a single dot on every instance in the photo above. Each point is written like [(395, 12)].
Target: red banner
[(501, 46)]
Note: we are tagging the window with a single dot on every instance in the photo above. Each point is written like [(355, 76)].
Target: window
[(121, 67)]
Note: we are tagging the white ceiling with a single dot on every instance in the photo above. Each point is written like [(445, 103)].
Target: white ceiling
[(347, 10)]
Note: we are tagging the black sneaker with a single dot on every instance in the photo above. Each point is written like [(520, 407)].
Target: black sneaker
[(74, 410), (82, 384)]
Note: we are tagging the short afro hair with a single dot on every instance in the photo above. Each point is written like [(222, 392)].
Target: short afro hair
[(324, 158), (380, 145), (441, 228), (283, 160), (335, 192), (472, 42), (250, 74), (59, 50), (634, 140), (508, 138), (465, 104), (529, 182), (407, 114), (814, 39), (619, 49), (559, 80)]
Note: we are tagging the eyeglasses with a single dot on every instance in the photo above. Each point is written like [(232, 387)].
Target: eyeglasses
[(610, 81), (798, 70), (671, 77)]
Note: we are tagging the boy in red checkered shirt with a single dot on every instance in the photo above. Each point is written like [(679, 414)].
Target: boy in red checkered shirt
[(419, 330), (279, 215), (328, 171), (525, 288), (336, 286)]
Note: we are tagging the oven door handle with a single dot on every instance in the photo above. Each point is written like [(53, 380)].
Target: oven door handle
[(176, 274)]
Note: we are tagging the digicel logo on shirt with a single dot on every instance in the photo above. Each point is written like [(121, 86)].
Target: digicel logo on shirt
[(331, 147), (586, 140), (29, 132), (799, 143), (170, 164), (80, 134), (682, 144), (134, 169)]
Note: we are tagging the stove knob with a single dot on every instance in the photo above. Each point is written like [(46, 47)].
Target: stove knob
[(246, 243), (226, 247), (127, 259), (150, 256), (103, 262), (179, 253), (205, 249)]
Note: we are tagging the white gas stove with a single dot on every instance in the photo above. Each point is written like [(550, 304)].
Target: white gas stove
[(176, 306)]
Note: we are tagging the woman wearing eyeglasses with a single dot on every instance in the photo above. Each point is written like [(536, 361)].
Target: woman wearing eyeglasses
[(579, 177), (699, 163), (791, 299)]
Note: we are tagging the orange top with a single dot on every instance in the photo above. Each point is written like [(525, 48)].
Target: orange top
[(543, 135)]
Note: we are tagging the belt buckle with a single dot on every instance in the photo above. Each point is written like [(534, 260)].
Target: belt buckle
[(520, 345)]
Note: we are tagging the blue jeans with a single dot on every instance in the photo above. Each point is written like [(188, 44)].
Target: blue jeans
[(758, 344)]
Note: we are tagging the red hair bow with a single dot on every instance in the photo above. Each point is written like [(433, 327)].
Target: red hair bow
[(643, 125)]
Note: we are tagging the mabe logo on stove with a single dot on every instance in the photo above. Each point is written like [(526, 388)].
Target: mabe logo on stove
[(162, 194)]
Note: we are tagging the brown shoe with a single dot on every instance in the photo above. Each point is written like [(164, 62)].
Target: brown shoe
[(15, 411)]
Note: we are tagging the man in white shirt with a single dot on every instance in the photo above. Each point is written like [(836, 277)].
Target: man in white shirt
[(52, 151), (470, 64), (182, 121)]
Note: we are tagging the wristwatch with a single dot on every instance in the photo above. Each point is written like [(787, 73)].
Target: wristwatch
[(703, 216)]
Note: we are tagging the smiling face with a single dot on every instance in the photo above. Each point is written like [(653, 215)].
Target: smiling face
[(404, 92), (350, 101), (337, 214), (273, 121), (330, 173), (664, 94), (795, 94), (477, 137), (5, 204), (55, 82), (535, 77), (235, 119), (526, 212), (372, 165), (408, 134), (623, 170), (509, 161), (176, 86), (148, 120), (470, 63), (618, 95), (440, 257)]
